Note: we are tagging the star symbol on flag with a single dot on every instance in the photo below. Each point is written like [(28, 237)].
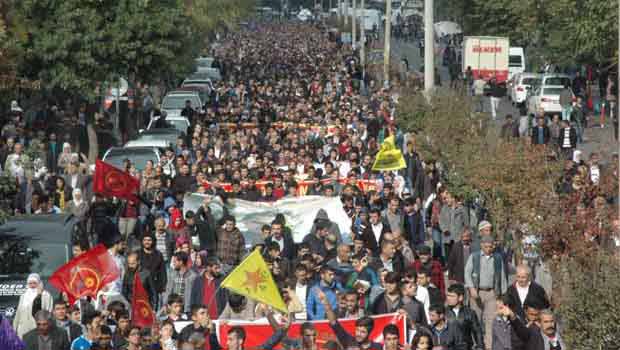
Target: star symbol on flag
[(253, 279)]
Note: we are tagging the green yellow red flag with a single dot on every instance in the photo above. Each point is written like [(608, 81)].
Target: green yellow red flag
[(253, 279), (389, 157)]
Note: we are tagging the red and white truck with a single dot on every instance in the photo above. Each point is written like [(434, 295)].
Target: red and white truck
[(487, 56)]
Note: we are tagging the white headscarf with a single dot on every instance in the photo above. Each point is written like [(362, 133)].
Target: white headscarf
[(75, 200), (15, 107), (31, 293)]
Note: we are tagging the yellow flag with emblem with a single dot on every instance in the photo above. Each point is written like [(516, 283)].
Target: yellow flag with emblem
[(389, 157), (253, 279)]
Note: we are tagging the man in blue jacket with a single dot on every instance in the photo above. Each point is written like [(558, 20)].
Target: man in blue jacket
[(328, 286)]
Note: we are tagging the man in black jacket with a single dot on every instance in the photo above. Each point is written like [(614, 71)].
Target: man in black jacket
[(464, 316), (541, 336), (152, 260), (204, 230), (46, 333), (63, 323), (540, 132), (446, 334), (284, 240), (525, 291)]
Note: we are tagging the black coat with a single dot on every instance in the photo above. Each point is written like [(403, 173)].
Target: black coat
[(457, 261), (415, 312), (450, 339), (221, 297), (470, 326), (370, 241), (536, 294), (288, 251), (60, 341), (380, 305), (572, 137), (531, 336), (546, 135), (205, 230)]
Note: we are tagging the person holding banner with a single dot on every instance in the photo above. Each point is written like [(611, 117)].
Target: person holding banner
[(363, 327)]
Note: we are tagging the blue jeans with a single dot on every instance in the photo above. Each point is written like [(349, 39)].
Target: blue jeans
[(566, 110)]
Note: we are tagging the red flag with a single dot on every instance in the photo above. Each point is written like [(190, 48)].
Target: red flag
[(114, 182), (257, 333), (142, 314), (86, 274)]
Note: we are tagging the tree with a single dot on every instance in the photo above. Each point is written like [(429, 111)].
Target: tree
[(564, 31), (76, 44), (215, 15)]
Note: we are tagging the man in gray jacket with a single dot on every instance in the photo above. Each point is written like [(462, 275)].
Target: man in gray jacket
[(180, 280), (453, 218)]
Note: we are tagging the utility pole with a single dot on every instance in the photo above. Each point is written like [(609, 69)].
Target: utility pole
[(429, 47), (338, 12), (387, 38), (346, 12), (618, 102), (363, 40), (353, 29)]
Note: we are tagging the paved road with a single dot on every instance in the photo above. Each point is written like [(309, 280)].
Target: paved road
[(596, 139)]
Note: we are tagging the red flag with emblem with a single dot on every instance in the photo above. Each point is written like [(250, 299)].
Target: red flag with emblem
[(142, 314), (113, 182), (86, 274)]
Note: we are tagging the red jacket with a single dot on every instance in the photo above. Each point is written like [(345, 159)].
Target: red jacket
[(437, 277)]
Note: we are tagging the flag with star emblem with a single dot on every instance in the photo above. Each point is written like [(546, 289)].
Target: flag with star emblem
[(389, 157), (142, 313), (86, 274), (114, 182), (253, 279)]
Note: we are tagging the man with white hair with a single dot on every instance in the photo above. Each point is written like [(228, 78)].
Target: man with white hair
[(525, 290)]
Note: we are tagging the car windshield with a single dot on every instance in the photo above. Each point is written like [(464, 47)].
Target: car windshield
[(175, 102), (138, 157), (23, 254), (530, 81), (514, 61), (552, 91), (559, 81), (170, 137)]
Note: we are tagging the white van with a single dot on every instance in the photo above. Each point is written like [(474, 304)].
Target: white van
[(516, 61)]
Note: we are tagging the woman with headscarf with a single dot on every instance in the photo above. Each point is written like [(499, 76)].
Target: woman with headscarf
[(65, 157), (77, 206), (35, 298)]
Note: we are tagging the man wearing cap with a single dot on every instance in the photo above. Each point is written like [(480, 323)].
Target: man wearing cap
[(486, 279), (427, 263)]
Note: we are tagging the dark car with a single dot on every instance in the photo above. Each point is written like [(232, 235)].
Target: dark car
[(34, 243)]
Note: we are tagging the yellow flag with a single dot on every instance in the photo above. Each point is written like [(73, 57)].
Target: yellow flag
[(253, 279), (389, 157)]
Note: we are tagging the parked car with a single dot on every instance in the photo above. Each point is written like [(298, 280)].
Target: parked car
[(170, 135), (203, 62), (138, 156), (33, 243), (545, 99), (177, 122), (174, 102), (555, 80), (199, 79), (520, 84)]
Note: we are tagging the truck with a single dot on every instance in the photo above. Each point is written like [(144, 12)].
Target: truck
[(487, 56)]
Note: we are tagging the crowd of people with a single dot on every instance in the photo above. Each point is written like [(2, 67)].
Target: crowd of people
[(289, 119)]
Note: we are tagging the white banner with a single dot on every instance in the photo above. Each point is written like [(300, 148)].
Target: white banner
[(299, 213)]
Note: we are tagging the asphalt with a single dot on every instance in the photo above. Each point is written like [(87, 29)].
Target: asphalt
[(596, 139)]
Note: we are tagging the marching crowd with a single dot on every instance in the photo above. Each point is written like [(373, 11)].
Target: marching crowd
[(289, 119)]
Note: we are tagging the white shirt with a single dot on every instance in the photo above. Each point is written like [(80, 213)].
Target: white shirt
[(280, 242), (522, 291), (376, 230), (456, 311), (422, 296), (302, 292)]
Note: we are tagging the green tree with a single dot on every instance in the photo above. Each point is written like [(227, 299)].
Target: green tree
[(76, 44)]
